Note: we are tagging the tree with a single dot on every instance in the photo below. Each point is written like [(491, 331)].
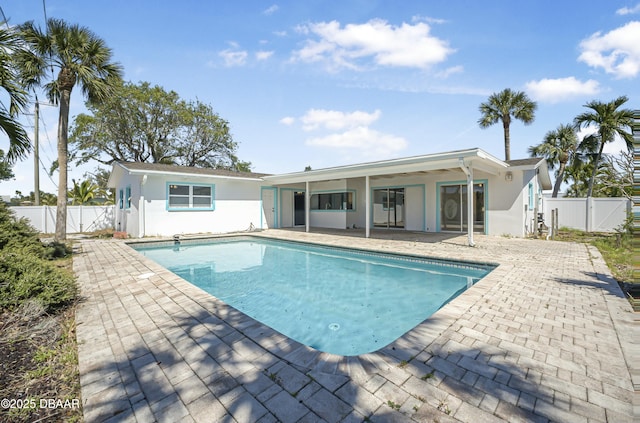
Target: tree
[(558, 147), (6, 172), (616, 175), (81, 58), (84, 192), (19, 144), (505, 106), (609, 122), (100, 177), (142, 123)]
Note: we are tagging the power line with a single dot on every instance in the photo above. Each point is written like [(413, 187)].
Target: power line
[(4, 18), (44, 8), (31, 123)]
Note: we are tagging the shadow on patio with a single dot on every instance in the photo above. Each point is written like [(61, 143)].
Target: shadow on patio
[(211, 369)]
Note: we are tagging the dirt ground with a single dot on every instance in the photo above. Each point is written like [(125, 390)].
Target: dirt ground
[(39, 379)]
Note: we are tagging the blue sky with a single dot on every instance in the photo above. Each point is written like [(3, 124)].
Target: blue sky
[(325, 83)]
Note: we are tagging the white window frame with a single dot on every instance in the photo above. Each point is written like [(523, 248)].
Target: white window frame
[(191, 196)]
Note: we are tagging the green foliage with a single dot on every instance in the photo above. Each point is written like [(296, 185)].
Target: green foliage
[(611, 122), (15, 233), (26, 269), (85, 192), (558, 148), (25, 276), (19, 145), (56, 250), (81, 59), (6, 172), (504, 107), (144, 123)]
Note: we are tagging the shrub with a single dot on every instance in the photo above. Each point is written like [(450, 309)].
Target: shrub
[(26, 272), (17, 232), (55, 250), (26, 276)]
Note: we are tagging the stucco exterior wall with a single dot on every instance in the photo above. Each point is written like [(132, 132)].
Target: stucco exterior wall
[(240, 203), (236, 206)]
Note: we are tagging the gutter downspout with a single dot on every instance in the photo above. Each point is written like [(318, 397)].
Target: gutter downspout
[(141, 209), (468, 170)]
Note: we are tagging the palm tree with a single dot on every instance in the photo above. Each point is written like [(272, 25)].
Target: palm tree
[(19, 144), (80, 58), (84, 192), (48, 199), (610, 122), (505, 106), (558, 147)]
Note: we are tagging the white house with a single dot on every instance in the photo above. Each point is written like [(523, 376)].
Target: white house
[(463, 191)]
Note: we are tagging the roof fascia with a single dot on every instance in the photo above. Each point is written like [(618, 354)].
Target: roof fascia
[(189, 174), (449, 160)]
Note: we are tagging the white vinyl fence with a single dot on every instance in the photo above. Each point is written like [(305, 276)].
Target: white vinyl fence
[(588, 214), (79, 218)]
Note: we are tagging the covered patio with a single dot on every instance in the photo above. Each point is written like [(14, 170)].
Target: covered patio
[(444, 192)]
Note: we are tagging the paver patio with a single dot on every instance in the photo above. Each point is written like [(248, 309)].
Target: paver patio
[(547, 336)]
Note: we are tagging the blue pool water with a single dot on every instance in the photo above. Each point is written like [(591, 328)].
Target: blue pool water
[(345, 302)]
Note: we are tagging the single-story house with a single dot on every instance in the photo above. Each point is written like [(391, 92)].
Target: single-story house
[(463, 191)]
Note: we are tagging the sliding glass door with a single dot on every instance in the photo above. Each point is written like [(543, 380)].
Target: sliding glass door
[(453, 208), (388, 208)]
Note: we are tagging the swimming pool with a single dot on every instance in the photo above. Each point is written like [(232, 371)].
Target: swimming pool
[(341, 301)]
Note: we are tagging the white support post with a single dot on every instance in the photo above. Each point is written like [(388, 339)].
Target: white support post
[(470, 206), (468, 170), (307, 204), (367, 207)]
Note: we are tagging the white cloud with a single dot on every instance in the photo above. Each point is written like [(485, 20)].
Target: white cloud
[(377, 41), (288, 120), (560, 89), (271, 10), (263, 55), (233, 57), (617, 51), (629, 10), (427, 19), (369, 143), (336, 120), (450, 71)]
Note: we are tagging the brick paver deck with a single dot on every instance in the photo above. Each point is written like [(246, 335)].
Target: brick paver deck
[(547, 336)]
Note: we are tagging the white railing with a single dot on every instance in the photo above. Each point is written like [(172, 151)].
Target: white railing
[(79, 218), (588, 214)]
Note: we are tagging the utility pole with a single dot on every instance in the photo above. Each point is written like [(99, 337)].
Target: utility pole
[(36, 155)]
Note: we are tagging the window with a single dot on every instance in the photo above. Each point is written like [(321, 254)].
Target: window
[(121, 199), (190, 197), (128, 197), (530, 195), (332, 201)]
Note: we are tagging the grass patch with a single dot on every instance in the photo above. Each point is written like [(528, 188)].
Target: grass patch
[(616, 249), (39, 364)]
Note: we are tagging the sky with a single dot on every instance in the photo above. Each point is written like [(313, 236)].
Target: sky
[(326, 83)]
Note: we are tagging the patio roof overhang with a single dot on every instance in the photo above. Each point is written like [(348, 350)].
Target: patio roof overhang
[(454, 160)]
